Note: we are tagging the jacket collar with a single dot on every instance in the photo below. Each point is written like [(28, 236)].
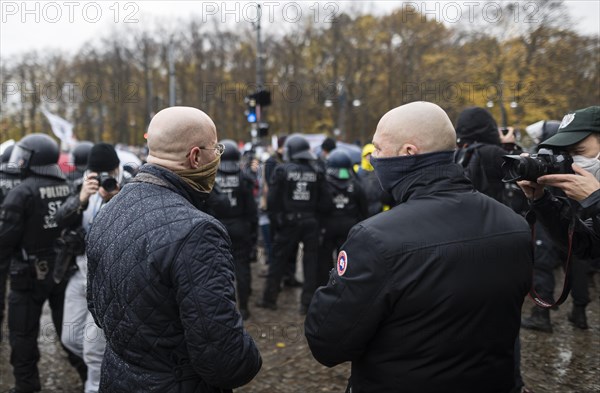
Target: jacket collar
[(156, 174), (430, 180)]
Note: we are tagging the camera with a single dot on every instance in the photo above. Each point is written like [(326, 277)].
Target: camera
[(106, 181), (530, 168)]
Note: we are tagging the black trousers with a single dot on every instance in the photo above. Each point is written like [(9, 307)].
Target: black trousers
[(240, 234), (24, 312), (287, 238), (290, 266), (241, 258)]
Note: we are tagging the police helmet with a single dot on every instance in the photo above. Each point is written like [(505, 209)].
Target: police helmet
[(37, 153), (296, 147), (81, 154), (339, 159), (231, 153), (339, 164), (6, 154), (4, 164), (231, 157)]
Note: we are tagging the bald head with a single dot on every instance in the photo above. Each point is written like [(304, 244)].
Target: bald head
[(174, 131), (423, 125)]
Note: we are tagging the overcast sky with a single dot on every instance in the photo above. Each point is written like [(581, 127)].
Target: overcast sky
[(67, 25)]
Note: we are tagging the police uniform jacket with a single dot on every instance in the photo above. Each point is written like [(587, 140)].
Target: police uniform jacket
[(160, 284), (8, 181), (297, 190), (348, 199), (27, 218), (426, 297), (240, 216)]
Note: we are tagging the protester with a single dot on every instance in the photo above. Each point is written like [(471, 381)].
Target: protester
[(161, 273), (427, 296)]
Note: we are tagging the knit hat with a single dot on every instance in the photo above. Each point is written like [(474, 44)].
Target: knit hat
[(103, 158), (477, 125), (328, 145), (575, 127)]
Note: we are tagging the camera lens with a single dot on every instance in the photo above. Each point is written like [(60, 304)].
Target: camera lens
[(109, 184), (522, 168)]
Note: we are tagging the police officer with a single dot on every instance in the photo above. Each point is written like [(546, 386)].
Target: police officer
[(289, 274), (28, 230), (240, 219), (80, 156), (296, 193), (10, 177), (349, 207)]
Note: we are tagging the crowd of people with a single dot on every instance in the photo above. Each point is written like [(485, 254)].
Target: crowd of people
[(416, 257)]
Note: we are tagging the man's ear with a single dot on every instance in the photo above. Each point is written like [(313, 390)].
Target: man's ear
[(194, 158), (408, 149)]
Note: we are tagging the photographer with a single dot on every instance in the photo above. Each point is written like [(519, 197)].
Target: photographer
[(579, 135), (102, 180), (576, 217)]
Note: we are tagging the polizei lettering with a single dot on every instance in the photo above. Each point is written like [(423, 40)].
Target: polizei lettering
[(310, 177), (51, 192)]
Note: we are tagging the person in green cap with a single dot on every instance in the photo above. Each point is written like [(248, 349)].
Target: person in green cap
[(579, 136)]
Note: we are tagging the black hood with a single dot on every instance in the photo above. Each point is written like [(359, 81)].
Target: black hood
[(477, 125)]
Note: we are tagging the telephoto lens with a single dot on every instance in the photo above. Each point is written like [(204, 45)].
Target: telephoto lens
[(530, 168)]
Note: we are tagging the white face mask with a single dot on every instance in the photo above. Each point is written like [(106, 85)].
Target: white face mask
[(592, 165)]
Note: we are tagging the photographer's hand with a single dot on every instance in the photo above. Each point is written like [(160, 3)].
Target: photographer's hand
[(578, 186), (89, 187), (532, 190)]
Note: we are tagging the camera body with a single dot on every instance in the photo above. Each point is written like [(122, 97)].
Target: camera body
[(545, 162), (106, 181)]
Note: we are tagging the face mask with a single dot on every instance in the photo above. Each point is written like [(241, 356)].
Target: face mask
[(201, 179), (592, 165)]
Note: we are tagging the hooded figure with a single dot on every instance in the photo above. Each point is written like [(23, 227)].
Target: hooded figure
[(480, 151)]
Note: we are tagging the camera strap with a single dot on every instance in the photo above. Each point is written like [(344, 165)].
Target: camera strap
[(537, 299)]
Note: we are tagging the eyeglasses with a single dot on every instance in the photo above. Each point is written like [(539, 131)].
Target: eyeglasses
[(219, 149)]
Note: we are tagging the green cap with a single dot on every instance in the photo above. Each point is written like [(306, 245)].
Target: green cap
[(575, 127)]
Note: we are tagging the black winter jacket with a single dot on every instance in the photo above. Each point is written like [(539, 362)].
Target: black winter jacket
[(556, 215), (427, 296), (160, 284)]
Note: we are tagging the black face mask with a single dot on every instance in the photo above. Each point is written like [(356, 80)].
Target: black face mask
[(392, 170)]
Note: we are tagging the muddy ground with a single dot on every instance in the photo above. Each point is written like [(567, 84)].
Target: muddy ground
[(566, 361)]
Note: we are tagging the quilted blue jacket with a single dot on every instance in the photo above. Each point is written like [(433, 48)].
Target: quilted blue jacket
[(160, 284)]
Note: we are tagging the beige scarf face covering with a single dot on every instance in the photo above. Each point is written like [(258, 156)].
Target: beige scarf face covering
[(203, 178)]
